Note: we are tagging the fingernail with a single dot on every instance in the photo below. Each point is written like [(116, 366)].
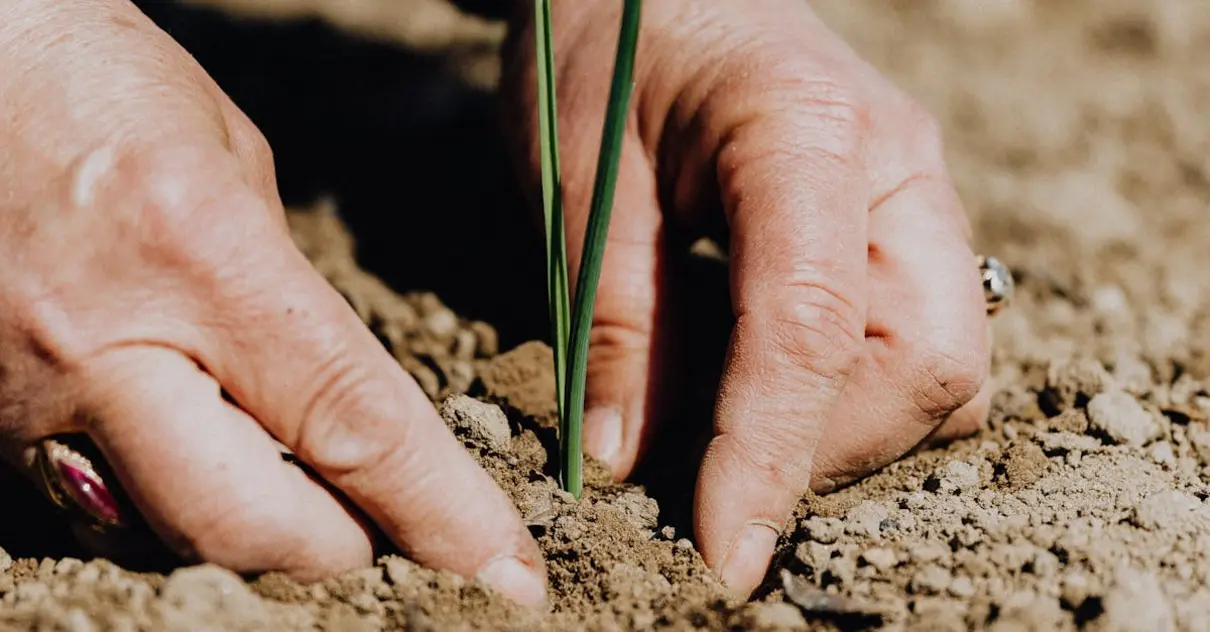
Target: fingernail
[(603, 433), (515, 580), (749, 557)]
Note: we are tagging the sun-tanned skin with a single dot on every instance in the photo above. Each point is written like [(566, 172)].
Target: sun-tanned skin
[(147, 264)]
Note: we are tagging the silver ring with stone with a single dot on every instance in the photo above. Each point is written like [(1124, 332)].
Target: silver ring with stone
[(998, 283)]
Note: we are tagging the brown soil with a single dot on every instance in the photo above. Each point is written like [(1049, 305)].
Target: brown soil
[(1077, 142)]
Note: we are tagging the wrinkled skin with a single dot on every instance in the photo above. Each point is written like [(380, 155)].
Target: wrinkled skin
[(129, 179), (861, 327)]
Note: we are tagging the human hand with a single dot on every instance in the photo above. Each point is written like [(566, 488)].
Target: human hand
[(860, 324), (148, 267)]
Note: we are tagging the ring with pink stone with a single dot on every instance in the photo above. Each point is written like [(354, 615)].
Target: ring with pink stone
[(72, 482), (75, 483)]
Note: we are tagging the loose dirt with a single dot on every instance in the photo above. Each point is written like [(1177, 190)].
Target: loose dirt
[(1078, 140)]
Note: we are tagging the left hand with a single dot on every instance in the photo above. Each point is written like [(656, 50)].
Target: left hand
[(860, 324)]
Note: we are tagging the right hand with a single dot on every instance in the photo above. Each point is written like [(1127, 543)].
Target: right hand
[(147, 265)]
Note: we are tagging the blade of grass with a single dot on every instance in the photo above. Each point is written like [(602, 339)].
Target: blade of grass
[(594, 244), (552, 198)]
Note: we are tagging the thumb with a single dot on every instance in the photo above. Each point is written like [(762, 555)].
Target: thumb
[(624, 319)]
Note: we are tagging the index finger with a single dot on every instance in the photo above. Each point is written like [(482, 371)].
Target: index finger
[(796, 198), (292, 352)]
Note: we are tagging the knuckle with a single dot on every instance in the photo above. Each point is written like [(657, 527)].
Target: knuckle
[(834, 97), (817, 329), (338, 431), (942, 382), (803, 112), (838, 105), (248, 141), (761, 455), (181, 202), (825, 126), (818, 345), (834, 115), (612, 338)]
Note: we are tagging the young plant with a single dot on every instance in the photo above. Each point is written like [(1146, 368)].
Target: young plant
[(571, 324)]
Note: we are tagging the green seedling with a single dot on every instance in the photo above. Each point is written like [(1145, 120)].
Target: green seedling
[(571, 324)]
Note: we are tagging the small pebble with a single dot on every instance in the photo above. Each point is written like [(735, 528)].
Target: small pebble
[(488, 342), (880, 558), (962, 587), (478, 422), (399, 569), (464, 345), (461, 374), (87, 575), (441, 323), (843, 570), (1046, 564), (1074, 588), (866, 518), (1161, 452), (931, 551), (825, 530), (958, 476), (1068, 380), (775, 616), (78, 621), (1120, 416), (208, 593), (814, 554), (931, 579), (640, 511), (1169, 509), (1136, 602), (68, 565), (366, 603), (570, 528)]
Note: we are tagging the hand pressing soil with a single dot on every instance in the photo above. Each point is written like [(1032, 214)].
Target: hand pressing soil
[(1078, 138)]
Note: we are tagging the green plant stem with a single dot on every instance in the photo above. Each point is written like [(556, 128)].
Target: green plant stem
[(608, 161), (552, 198)]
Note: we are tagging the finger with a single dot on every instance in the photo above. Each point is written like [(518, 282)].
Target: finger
[(620, 388), (206, 477), (294, 354), (972, 416), (927, 335), (963, 422), (796, 197)]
